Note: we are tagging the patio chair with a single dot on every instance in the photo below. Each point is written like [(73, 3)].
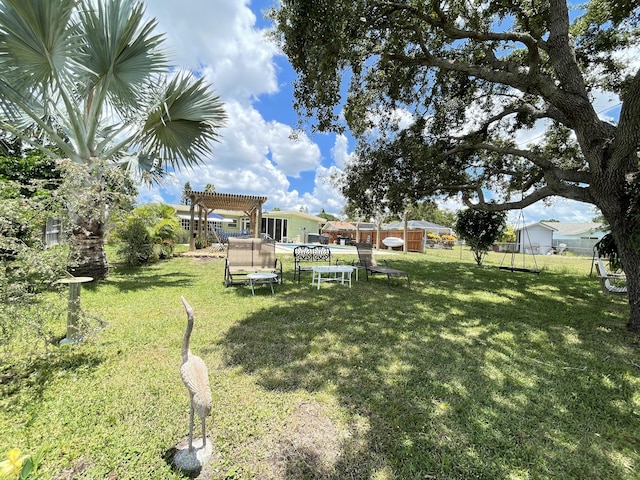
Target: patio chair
[(250, 255), (371, 267), (607, 280)]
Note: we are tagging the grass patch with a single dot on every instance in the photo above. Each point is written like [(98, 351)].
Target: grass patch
[(470, 373)]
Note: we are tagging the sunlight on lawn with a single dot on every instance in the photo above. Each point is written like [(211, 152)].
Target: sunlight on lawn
[(469, 373)]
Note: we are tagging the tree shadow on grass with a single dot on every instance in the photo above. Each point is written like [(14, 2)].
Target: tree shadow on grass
[(26, 383), (470, 373), (135, 280)]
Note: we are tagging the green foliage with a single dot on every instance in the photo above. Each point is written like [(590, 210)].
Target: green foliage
[(508, 235), (147, 234), (480, 230), (27, 269), (327, 216), (31, 168), (136, 247), (94, 193), (97, 73), (429, 211), (185, 199), (606, 247)]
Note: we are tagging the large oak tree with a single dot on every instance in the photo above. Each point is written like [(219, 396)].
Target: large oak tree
[(91, 78), (437, 93)]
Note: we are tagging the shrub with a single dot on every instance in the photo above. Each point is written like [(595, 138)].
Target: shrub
[(27, 269), (147, 234)]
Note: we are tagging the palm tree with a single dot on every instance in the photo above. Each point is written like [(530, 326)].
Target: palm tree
[(92, 78)]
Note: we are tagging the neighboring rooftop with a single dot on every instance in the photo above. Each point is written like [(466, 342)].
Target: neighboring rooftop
[(564, 228)]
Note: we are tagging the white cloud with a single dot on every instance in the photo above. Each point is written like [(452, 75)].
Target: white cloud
[(560, 209), (340, 151), (220, 39), (254, 156)]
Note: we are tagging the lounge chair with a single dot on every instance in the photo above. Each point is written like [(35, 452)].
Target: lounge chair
[(607, 280), (250, 255), (368, 262)]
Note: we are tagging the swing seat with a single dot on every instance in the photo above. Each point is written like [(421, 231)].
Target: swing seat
[(520, 269), (609, 282)]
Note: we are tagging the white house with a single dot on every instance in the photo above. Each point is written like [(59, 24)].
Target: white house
[(545, 237)]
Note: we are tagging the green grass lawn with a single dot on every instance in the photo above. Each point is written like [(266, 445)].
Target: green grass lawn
[(470, 373)]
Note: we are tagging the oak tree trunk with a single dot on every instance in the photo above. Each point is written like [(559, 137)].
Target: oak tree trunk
[(630, 259)]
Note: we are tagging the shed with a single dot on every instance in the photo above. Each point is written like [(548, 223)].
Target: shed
[(536, 238)]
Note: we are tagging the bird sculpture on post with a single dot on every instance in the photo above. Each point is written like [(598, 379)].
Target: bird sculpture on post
[(195, 377)]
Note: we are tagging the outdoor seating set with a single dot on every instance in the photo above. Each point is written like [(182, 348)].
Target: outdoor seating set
[(253, 261)]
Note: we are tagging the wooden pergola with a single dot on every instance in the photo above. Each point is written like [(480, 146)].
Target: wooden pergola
[(206, 202)]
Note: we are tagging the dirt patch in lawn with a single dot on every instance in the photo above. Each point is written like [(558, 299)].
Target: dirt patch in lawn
[(310, 446)]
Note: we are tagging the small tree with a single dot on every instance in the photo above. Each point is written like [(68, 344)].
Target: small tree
[(480, 229), (185, 199)]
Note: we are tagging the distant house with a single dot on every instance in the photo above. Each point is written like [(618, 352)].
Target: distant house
[(282, 226), (428, 227), (353, 231), (578, 237), (536, 238), (546, 237), (292, 226)]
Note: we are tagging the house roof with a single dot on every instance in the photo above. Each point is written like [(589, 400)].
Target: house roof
[(538, 224), (336, 225), (416, 224), (294, 213), (573, 228)]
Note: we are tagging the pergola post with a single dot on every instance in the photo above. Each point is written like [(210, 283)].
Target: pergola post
[(192, 245), (257, 213)]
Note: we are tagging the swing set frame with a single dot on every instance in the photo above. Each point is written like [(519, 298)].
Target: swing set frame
[(520, 228)]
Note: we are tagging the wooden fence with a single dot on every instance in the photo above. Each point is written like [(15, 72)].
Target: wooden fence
[(415, 238)]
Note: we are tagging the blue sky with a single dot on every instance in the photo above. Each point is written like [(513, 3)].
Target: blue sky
[(225, 41)]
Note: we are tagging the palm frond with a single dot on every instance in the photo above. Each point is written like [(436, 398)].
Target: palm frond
[(38, 41), (91, 75), (121, 50), (179, 130)]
